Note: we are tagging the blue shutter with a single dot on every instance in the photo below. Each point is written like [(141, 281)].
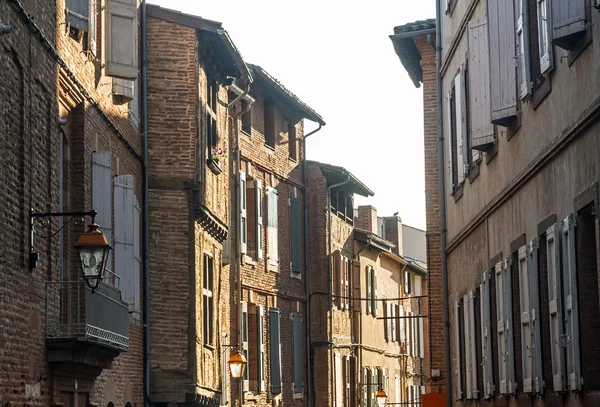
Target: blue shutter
[(78, 12), (260, 330), (298, 388), (102, 197), (275, 349), (296, 235)]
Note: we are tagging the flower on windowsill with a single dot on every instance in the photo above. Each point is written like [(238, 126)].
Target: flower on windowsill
[(218, 153)]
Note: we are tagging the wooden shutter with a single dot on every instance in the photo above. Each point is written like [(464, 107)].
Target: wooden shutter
[(415, 334), (526, 332), (337, 369), (401, 325), (258, 210), (298, 360), (393, 322), (275, 350), (246, 381), (387, 317), (78, 12), (92, 26), (508, 333), (421, 338), (356, 286), (463, 136), (296, 235), (522, 35), (449, 153), (569, 20), (346, 283), (102, 196), (486, 337), (409, 345), (260, 332), (374, 305), (535, 317), (365, 387), (352, 381), (374, 386), (461, 127), (272, 230), (121, 39), (503, 73), (457, 351), (243, 214), (571, 304), (137, 309), (369, 292), (500, 321), (124, 237), (467, 327), (553, 244), (418, 291), (337, 278), (545, 35)]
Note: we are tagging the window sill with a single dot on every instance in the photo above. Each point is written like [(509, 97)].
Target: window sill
[(245, 133), (450, 11), (491, 153), (580, 46), (539, 95), (458, 192), (293, 160), (269, 147), (209, 347), (474, 171), (249, 260), (513, 127)]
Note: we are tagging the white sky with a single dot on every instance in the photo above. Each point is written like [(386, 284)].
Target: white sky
[(339, 60)]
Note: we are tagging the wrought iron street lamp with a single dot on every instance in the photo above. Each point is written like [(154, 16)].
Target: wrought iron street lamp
[(93, 252), (381, 397)]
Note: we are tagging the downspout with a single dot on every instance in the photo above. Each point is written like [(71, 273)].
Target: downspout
[(145, 216), (330, 273), (306, 273), (442, 191)]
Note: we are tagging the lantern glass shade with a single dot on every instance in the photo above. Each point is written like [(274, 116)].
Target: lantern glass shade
[(381, 398), (93, 252), (237, 365)]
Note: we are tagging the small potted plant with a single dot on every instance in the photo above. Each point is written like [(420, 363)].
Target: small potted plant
[(214, 162)]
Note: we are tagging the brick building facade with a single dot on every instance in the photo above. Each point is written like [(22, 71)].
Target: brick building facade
[(70, 142)]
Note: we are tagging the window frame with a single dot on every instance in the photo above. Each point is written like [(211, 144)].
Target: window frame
[(208, 300)]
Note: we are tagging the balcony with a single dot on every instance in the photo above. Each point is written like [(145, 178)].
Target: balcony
[(84, 327)]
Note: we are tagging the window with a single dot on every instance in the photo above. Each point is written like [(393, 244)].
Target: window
[(407, 282), (272, 230), (292, 142), (243, 219), (341, 271), (254, 211), (458, 157), (458, 346), (275, 349), (418, 286), (298, 359), (269, 120), (246, 118), (374, 302), (212, 135), (207, 297), (82, 15), (260, 347), (339, 381), (102, 199)]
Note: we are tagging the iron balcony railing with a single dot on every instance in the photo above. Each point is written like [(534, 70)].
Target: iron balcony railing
[(74, 312)]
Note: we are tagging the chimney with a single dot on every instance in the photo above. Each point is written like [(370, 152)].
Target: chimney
[(393, 232), (366, 219)]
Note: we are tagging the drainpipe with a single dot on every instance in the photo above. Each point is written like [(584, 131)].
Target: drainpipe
[(145, 217), (442, 184), (330, 273), (306, 273)]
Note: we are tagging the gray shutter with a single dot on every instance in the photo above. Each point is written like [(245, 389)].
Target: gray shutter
[(243, 220), (364, 386), (503, 73), (525, 313), (449, 154), (523, 48), (501, 327), (260, 329), (374, 306), (246, 382), (296, 235), (102, 197), (337, 279), (394, 316), (461, 127), (571, 304), (368, 285), (78, 12), (457, 353), (569, 19), (387, 316), (509, 336), (486, 337), (258, 210), (272, 229), (544, 16), (298, 360), (422, 338), (125, 237), (136, 257), (275, 350), (553, 244), (535, 317), (121, 39), (464, 130), (468, 368), (92, 25), (470, 346)]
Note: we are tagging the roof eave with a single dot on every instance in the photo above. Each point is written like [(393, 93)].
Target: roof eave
[(235, 55)]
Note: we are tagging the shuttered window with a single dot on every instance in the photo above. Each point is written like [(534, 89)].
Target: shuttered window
[(92, 27), (387, 315), (364, 387), (298, 360), (545, 35), (339, 381), (243, 213), (374, 305), (526, 337), (504, 322), (272, 230), (523, 48), (347, 264), (368, 278), (418, 291), (394, 316), (535, 317), (208, 301), (125, 236), (102, 200), (569, 22), (451, 153), (121, 39), (246, 380), (486, 337), (508, 326), (260, 330), (258, 211), (415, 333), (553, 244), (503, 74), (78, 12), (275, 350), (457, 350), (337, 278), (296, 214), (571, 304), (458, 143), (421, 338), (401, 325)]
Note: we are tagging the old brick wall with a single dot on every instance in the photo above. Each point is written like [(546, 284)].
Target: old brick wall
[(35, 94)]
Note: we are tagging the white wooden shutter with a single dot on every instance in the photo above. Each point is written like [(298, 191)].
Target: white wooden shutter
[(463, 144), (260, 330), (553, 244), (460, 127), (338, 380), (418, 291), (92, 26), (387, 316), (470, 346), (243, 216), (571, 304), (523, 48), (500, 322), (545, 36), (258, 210), (375, 306), (402, 323), (535, 318), (449, 153), (246, 381), (508, 328), (121, 39), (398, 389), (486, 337), (393, 322), (457, 351), (415, 333), (124, 204), (368, 286), (272, 229), (421, 339), (346, 273), (102, 196), (526, 332)]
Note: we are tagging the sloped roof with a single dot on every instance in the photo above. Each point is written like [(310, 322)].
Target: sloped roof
[(406, 49), (335, 174)]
